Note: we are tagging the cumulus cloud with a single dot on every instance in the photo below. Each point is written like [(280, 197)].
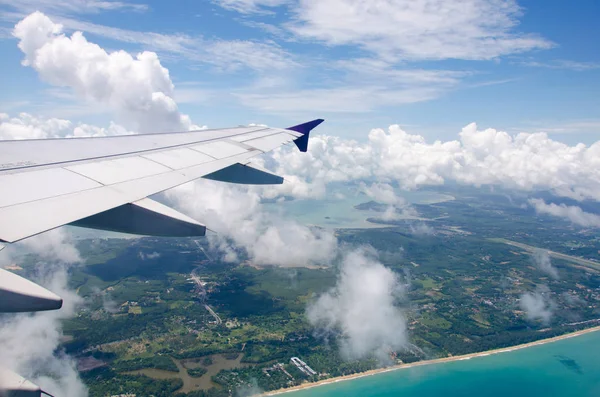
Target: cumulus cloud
[(542, 261), (28, 126), (362, 309), (138, 89), (526, 161), (538, 305), (29, 342), (236, 215), (571, 212)]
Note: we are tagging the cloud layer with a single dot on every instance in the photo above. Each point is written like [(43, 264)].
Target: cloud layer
[(526, 161)]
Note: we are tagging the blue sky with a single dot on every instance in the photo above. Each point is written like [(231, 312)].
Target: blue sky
[(424, 64)]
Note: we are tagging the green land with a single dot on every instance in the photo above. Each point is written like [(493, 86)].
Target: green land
[(164, 319)]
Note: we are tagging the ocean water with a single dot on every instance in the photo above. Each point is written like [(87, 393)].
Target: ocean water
[(337, 210), (569, 367)]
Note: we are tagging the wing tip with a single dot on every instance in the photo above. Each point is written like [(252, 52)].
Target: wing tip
[(304, 129)]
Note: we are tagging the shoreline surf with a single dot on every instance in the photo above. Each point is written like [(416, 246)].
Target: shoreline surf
[(431, 362)]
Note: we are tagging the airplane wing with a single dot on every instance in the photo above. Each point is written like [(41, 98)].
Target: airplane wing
[(104, 183)]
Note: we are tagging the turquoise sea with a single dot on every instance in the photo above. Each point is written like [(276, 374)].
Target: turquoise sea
[(569, 367)]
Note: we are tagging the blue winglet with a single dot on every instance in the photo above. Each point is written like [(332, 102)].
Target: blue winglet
[(304, 129)]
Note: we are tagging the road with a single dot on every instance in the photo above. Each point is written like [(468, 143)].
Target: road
[(215, 315), (580, 261), (202, 290)]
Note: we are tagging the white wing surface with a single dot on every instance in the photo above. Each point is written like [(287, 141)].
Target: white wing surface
[(103, 182)]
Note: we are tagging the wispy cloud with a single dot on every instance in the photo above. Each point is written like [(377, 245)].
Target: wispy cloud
[(586, 126), (407, 29), (417, 29), (563, 64), (73, 6), (336, 99), (541, 259), (229, 55), (250, 6), (233, 55)]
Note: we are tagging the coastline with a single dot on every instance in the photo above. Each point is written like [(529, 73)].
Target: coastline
[(430, 362)]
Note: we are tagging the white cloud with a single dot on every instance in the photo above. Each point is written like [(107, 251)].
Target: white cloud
[(152, 255), (563, 64), (542, 261), (585, 126), (249, 6), (422, 229), (29, 342), (573, 213), (230, 55), (225, 55), (417, 29), (55, 245), (525, 161), (361, 309), (343, 99), (407, 29), (73, 6), (27, 126), (370, 69), (355, 85), (176, 43), (139, 90), (538, 305), (236, 215), (382, 193)]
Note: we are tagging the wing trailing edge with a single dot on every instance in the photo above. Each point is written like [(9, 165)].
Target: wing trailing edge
[(144, 217), (245, 174)]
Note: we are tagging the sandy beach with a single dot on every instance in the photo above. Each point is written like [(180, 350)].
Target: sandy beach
[(429, 362)]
